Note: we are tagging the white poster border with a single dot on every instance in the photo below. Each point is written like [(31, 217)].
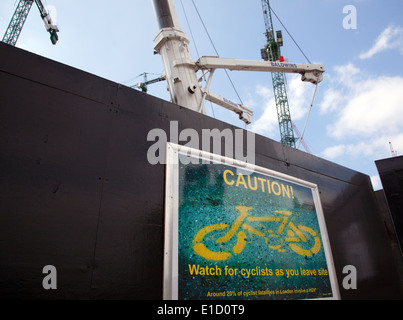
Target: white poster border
[(170, 275)]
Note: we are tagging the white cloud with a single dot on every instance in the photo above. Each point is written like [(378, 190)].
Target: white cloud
[(334, 151), (354, 149), (346, 74), (363, 105), (372, 106), (390, 38), (343, 83), (331, 101), (375, 148), (367, 113), (267, 123), (299, 98)]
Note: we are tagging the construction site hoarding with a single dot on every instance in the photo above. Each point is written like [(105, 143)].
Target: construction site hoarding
[(78, 192)]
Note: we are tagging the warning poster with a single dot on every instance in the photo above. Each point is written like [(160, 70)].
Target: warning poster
[(248, 235)]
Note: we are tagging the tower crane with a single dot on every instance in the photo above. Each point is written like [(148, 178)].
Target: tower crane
[(272, 53), (144, 85), (20, 15)]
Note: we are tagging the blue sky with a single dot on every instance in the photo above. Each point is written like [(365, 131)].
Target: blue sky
[(358, 108)]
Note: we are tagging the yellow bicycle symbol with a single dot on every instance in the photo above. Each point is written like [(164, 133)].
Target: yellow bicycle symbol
[(294, 235)]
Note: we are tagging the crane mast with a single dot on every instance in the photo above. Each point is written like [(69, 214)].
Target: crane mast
[(17, 22), (20, 16), (272, 53)]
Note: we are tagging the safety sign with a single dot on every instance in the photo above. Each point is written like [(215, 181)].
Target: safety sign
[(236, 233)]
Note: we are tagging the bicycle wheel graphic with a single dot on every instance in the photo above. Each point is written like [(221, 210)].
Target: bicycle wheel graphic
[(201, 249), (303, 240)]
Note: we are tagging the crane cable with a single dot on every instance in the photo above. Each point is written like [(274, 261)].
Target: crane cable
[(190, 29), (215, 49), (309, 112), (271, 8)]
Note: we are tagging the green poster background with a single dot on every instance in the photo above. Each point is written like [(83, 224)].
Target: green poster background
[(235, 237)]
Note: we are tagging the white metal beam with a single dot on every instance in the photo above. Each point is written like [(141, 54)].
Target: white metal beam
[(309, 72)]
